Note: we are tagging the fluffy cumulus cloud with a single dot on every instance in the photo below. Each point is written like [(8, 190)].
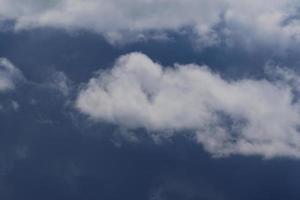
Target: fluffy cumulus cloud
[(9, 75), (249, 117), (270, 21)]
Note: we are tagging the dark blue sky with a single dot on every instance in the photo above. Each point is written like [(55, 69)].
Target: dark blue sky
[(50, 151), (149, 100)]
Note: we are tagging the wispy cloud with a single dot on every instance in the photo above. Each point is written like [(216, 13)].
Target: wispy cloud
[(270, 21), (9, 75)]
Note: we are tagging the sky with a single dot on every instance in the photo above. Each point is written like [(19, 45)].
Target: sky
[(149, 100)]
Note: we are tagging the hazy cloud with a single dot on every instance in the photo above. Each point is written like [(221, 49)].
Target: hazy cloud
[(9, 75), (59, 81)]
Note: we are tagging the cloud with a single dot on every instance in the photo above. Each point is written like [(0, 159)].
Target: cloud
[(60, 82), (248, 117), (269, 22), (9, 75)]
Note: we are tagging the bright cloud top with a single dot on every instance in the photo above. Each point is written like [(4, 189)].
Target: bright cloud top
[(249, 117), (269, 21), (9, 75)]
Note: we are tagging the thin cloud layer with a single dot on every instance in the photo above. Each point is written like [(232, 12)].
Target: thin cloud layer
[(248, 117), (9, 75), (271, 21)]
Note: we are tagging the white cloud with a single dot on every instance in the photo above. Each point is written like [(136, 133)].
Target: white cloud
[(9, 75), (250, 20), (249, 117)]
